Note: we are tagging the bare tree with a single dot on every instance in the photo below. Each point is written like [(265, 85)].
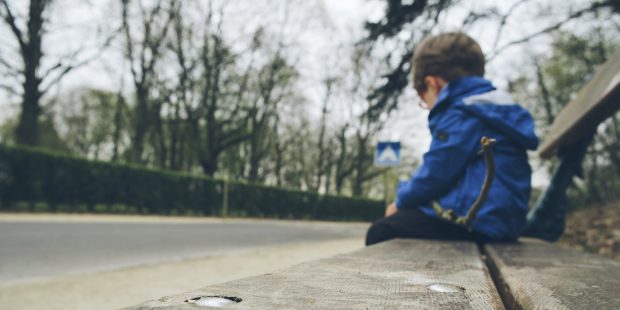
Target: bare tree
[(211, 90), (35, 80), (273, 84), (323, 160), (119, 108), (344, 165), (363, 160), (143, 49)]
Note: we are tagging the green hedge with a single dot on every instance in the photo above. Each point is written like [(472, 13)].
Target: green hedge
[(34, 176)]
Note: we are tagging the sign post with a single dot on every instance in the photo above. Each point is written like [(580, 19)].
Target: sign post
[(225, 198), (387, 154)]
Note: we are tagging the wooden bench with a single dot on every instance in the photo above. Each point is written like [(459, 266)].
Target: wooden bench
[(538, 275), (424, 274), (403, 274), (570, 135)]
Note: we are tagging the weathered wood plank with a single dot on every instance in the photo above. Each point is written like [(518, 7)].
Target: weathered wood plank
[(594, 103), (400, 274), (537, 275)]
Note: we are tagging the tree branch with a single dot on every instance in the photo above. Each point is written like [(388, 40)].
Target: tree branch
[(7, 65), (474, 17), (10, 20), (155, 43), (553, 27), (59, 77), (10, 89), (129, 47), (65, 69), (504, 20), (234, 139)]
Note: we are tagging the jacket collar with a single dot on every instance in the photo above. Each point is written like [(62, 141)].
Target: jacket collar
[(458, 89)]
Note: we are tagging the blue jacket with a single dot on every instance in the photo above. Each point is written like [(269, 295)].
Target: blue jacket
[(453, 172)]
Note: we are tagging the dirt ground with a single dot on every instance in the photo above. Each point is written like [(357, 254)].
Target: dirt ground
[(595, 229)]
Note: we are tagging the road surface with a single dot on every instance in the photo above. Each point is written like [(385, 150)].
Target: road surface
[(40, 248)]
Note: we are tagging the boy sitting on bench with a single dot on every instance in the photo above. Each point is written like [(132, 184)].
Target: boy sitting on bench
[(448, 72)]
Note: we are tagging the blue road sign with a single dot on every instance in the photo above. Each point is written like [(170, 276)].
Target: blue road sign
[(387, 154)]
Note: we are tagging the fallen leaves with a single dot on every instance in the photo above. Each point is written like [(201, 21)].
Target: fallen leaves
[(595, 229)]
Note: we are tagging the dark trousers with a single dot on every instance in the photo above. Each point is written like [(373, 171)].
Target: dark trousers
[(412, 223)]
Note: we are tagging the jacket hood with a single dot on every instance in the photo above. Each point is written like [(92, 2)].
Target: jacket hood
[(495, 108)]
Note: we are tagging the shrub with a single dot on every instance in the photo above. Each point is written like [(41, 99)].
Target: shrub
[(66, 183)]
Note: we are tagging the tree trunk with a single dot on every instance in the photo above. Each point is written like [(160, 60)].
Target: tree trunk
[(615, 145), (593, 190), (161, 138), (28, 127), (343, 170), (27, 131), (254, 157), (254, 160), (356, 186), (174, 137), (548, 106), (279, 161), (141, 124), (120, 102), (209, 165)]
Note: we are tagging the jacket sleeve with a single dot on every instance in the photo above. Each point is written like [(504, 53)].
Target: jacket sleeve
[(456, 139)]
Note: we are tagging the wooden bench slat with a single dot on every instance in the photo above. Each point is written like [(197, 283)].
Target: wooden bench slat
[(537, 275), (398, 274), (594, 103)]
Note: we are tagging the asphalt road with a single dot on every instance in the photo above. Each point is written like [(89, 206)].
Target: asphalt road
[(39, 249)]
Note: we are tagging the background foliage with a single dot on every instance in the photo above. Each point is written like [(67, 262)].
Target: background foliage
[(221, 89), (62, 183)]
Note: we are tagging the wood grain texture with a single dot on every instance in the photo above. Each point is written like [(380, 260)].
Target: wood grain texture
[(392, 275), (594, 103), (537, 275)]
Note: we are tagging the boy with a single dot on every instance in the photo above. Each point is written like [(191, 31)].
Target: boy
[(448, 72)]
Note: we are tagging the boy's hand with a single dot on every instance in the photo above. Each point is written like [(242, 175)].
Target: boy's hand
[(390, 210)]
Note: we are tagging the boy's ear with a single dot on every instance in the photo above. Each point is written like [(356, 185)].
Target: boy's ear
[(434, 82), (430, 82)]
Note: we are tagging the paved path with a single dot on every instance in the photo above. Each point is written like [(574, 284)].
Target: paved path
[(42, 247)]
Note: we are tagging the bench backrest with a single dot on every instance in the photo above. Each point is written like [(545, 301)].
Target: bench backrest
[(594, 103)]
